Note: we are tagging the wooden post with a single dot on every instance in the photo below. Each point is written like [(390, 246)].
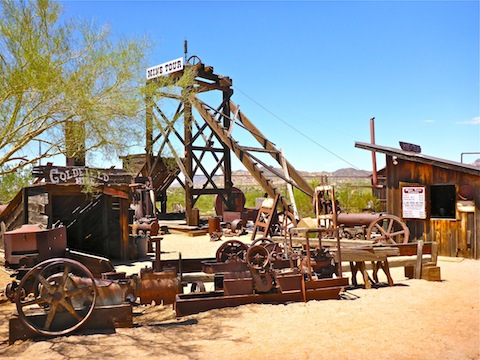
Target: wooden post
[(337, 234), (227, 158), (124, 229), (25, 205), (149, 132), (363, 270), (289, 186), (418, 266), (434, 252), (187, 123), (106, 203), (49, 210)]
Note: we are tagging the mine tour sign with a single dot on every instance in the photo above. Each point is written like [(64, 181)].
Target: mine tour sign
[(165, 68)]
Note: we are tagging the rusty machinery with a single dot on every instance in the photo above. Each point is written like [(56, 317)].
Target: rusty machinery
[(265, 272), (263, 218), (145, 221), (57, 289), (60, 295), (378, 227)]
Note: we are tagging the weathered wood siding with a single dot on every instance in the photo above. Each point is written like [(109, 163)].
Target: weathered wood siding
[(96, 224), (455, 237)]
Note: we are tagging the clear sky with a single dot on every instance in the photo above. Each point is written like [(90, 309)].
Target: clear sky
[(311, 74)]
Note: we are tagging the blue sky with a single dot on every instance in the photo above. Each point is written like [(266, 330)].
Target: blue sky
[(311, 74)]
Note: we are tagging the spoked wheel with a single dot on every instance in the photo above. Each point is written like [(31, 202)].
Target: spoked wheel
[(231, 250), (264, 241), (56, 297), (194, 60), (276, 250), (257, 257), (388, 229), (267, 243)]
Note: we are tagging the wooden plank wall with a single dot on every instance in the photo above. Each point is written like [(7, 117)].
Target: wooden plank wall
[(455, 237), (92, 227), (97, 224)]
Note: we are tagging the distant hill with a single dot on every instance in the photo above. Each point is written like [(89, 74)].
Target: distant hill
[(351, 172), (243, 177)]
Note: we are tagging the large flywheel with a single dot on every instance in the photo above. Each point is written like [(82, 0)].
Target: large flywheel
[(257, 257), (231, 250), (388, 229), (56, 297)]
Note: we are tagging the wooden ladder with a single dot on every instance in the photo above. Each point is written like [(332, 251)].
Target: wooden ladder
[(265, 217)]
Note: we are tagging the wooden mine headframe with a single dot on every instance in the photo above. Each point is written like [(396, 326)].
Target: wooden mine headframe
[(209, 135)]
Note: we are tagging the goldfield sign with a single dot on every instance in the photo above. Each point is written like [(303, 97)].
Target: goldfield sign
[(79, 175), (165, 68)]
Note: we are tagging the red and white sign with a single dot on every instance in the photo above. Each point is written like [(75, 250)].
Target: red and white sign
[(413, 202)]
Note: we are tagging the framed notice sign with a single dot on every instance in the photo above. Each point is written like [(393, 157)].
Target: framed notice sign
[(414, 202)]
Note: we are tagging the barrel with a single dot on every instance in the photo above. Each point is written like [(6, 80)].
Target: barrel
[(142, 246), (213, 224)]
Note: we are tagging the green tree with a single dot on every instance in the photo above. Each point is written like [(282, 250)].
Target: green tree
[(65, 76), (356, 199), (12, 182)]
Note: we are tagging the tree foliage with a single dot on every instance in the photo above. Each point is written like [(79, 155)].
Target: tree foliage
[(11, 182), (354, 199), (58, 75)]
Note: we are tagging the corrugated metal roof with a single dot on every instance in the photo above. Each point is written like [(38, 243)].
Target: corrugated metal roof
[(420, 158)]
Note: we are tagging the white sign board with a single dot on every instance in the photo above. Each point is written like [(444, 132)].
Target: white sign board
[(165, 68), (79, 175), (413, 202)]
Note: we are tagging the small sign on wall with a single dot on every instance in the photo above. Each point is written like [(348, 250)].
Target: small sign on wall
[(414, 202)]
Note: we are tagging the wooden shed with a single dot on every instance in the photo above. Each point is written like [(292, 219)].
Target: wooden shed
[(96, 222), (438, 199)]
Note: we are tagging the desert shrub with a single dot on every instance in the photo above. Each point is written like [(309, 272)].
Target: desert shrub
[(353, 197)]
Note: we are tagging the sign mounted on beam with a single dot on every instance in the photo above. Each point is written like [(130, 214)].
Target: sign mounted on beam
[(165, 68), (410, 147)]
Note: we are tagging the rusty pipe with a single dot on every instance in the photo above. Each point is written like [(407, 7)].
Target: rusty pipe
[(357, 219), (157, 264), (374, 156)]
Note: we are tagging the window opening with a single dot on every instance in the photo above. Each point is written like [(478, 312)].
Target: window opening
[(442, 199)]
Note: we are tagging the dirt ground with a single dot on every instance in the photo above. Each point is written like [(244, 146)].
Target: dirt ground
[(415, 319)]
